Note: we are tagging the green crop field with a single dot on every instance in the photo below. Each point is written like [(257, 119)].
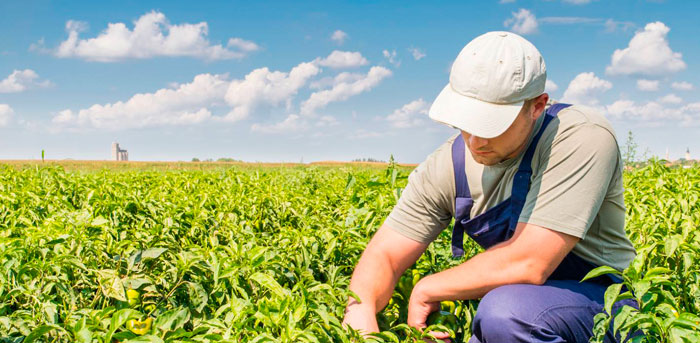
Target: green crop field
[(264, 254)]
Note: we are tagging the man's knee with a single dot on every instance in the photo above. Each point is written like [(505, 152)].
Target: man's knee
[(501, 314)]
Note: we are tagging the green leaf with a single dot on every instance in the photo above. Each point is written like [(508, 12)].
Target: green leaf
[(111, 285), (198, 296), (39, 332), (354, 296), (688, 321), (84, 335), (268, 282), (118, 319), (621, 319), (610, 297), (671, 244), (142, 255), (600, 271), (137, 283), (99, 222), (145, 339), (656, 271), (386, 336), (172, 319)]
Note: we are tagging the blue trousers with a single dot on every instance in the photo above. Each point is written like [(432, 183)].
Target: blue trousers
[(557, 311)]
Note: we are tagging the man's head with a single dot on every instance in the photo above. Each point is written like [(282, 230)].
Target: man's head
[(490, 82), (490, 151)]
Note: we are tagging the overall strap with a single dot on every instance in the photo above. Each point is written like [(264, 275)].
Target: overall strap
[(461, 184), (463, 198), (521, 181)]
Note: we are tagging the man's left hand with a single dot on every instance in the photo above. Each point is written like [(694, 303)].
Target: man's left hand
[(418, 312)]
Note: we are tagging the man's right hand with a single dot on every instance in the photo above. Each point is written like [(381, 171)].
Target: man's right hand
[(361, 318)]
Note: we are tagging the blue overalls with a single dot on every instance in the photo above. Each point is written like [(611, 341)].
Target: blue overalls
[(562, 309)]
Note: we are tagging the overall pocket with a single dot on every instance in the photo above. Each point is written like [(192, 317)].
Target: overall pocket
[(490, 227)]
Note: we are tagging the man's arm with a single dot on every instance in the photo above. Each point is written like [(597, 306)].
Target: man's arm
[(386, 257), (530, 256)]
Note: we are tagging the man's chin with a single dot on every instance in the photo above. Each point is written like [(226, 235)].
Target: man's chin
[(485, 160)]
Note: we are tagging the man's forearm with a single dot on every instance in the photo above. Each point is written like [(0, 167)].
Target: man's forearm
[(475, 277), (386, 257), (509, 262), (373, 281)]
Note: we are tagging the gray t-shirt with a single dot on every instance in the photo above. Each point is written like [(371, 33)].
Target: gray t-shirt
[(576, 188)]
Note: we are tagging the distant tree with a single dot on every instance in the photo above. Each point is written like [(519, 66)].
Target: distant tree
[(629, 150), (368, 159), (194, 159)]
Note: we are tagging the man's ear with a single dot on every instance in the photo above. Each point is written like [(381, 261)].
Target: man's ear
[(538, 105)]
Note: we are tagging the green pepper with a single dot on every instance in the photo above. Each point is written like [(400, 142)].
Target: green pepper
[(448, 306), (133, 297), (445, 318), (405, 287), (139, 327), (459, 308), (416, 277)]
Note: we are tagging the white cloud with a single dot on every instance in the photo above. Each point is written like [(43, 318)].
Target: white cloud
[(342, 59), (325, 121), (417, 53), (550, 86), (293, 123), (6, 114), (523, 22), (339, 37), (506, 1), (671, 99), (151, 36), (391, 56), (265, 87), (409, 115), (327, 82), (215, 98), (654, 113), (682, 86), (191, 103), (648, 85), (344, 90), (584, 90), (648, 53), (21, 80), (187, 104), (243, 45), (612, 25)]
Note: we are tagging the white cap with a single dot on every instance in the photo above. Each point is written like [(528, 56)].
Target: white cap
[(490, 80)]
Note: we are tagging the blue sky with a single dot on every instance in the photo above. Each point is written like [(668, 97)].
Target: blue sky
[(321, 80)]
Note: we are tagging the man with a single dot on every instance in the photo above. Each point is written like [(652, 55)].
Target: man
[(540, 190)]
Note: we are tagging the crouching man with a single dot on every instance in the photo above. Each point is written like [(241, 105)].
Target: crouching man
[(538, 187)]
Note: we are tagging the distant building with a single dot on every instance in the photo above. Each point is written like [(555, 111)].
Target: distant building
[(119, 154), (687, 154)]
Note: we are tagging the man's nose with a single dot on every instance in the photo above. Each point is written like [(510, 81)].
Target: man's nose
[(477, 142)]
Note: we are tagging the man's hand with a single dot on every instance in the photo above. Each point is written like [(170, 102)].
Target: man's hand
[(419, 310), (361, 317)]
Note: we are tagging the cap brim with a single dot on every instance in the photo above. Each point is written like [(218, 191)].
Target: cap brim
[(479, 118)]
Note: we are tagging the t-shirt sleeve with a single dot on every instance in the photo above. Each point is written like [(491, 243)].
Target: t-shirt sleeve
[(572, 179), (425, 206)]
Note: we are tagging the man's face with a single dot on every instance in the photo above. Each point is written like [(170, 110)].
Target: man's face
[(490, 151)]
